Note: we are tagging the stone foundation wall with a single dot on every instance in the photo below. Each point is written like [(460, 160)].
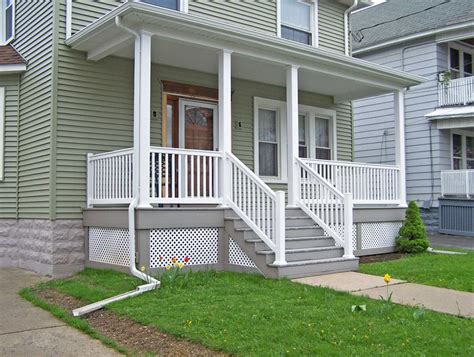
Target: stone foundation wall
[(52, 248), (430, 218)]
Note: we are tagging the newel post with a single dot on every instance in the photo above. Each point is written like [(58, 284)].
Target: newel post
[(348, 223), (279, 226)]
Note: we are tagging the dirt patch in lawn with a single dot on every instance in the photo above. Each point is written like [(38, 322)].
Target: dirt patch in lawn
[(136, 338), (380, 258)]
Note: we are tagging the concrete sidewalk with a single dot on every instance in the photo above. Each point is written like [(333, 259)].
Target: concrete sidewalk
[(26, 330), (447, 301)]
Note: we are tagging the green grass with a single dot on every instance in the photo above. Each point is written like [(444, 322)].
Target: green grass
[(442, 270), (249, 315)]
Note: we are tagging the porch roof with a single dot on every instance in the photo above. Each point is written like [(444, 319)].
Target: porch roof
[(191, 41)]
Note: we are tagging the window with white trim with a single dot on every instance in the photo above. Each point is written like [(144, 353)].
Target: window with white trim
[(315, 137), (7, 21), (297, 21), (178, 5), (460, 61), (2, 130), (462, 149), (268, 143)]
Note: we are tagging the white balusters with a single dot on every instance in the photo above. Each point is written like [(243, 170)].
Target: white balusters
[(458, 183), (459, 91)]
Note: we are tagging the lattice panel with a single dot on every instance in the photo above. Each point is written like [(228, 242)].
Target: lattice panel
[(340, 230), (379, 235), (109, 245), (199, 244), (238, 257)]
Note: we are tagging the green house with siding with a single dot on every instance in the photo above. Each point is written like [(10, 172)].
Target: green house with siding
[(132, 132)]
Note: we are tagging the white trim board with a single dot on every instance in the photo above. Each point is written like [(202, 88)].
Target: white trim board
[(2, 131), (12, 68)]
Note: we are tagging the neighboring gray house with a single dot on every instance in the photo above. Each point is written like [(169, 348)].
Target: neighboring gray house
[(433, 39)]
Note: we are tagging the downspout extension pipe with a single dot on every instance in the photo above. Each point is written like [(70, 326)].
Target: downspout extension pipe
[(151, 283), (346, 26)]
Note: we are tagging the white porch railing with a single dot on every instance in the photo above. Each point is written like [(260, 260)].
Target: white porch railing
[(258, 206), (458, 91), (368, 183), (110, 177), (326, 205), (184, 176), (458, 183)]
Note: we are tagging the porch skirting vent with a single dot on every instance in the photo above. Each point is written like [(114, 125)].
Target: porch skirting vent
[(238, 257), (109, 246), (379, 234), (199, 244)]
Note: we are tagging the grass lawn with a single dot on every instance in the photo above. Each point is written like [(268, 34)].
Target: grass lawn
[(442, 270), (249, 315)]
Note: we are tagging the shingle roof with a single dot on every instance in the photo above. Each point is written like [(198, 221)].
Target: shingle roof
[(8, 55), (397, 18)]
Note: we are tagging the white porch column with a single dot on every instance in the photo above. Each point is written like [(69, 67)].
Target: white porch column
[(225, 119), (292, 132), (141, 127), (399, 106)]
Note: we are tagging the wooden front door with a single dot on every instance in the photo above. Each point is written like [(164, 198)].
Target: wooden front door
[(197, 126)]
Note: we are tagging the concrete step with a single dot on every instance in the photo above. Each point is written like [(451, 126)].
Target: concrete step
[(297, 242), (305, 268), (303, 254), (290, 232)]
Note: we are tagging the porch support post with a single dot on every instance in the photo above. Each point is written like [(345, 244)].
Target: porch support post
[(225, 120), (400, 160), (142, 103), (292, 132)]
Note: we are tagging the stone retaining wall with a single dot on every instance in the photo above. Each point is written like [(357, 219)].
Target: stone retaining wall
[(53, 248)]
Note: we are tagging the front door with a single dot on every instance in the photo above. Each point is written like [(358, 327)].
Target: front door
[(197, 125)]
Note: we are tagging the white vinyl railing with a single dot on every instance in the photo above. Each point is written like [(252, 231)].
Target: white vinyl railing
[(326, 205), (184, 176), (457, 183), (257, 205), (110, 177), (368, 183), (458, 91)]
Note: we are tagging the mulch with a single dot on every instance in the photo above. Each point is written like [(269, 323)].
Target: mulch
[(136, 338), (380, 258)]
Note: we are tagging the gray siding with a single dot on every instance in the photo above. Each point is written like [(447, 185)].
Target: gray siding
[(34, 33), (8, 186), (374, 121), (331, 25)]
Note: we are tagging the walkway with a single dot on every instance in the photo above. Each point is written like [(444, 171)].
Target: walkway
[(448, 241), (26, 330), (447, 301)]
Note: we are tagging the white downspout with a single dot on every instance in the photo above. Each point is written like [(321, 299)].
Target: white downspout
[(152, 283), (346, 26)]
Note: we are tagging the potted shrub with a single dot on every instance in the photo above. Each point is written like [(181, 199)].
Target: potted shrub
[(412, 237)]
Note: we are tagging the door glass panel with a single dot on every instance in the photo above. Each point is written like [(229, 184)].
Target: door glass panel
[(169, 125), (199, 128)]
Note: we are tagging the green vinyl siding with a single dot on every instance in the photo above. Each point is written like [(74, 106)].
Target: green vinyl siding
[(331, 25), (259, 15), (34, 41), (8, 186), (86, 11), (344, 131)]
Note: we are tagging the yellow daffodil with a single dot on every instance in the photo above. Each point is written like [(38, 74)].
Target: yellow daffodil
[(143, 268), (168, 267), (387, 278)]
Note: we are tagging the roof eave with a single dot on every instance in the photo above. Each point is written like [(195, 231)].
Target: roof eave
[(12, 68)]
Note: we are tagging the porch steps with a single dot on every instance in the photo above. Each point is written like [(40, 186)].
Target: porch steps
[(308, 250)]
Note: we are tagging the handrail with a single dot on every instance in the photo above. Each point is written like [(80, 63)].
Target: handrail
[(258, 205), (350, 163), (185, 151), (331, 209), (111, 153)]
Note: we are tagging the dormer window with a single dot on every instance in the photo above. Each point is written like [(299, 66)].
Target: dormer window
[(297, 21), (7, 21)]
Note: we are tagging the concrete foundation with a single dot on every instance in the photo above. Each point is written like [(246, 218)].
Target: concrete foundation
[(51, 248), (430, 218)]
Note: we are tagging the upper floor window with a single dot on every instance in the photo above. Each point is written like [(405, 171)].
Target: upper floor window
[(168, 4), (460, 62), (297, 21), (7, 21)]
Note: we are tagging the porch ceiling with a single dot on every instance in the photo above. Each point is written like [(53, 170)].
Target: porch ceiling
[(184, 40)]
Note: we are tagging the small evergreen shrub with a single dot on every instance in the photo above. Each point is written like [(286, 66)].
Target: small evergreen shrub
[(412, 237)]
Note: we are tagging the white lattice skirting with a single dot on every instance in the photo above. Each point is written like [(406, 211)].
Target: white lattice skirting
[(199, 244), (238, 257), (379, 235), (109, 246)]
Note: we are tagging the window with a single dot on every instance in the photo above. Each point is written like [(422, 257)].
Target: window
[(7, 21), (2, 130), (462, 151), (177, 5), (302, 140), (268, 143), (297, 21), (460, 61)]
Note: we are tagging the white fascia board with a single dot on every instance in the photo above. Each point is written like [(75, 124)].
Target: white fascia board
[(257, 44), (12, 68), (415, 36)]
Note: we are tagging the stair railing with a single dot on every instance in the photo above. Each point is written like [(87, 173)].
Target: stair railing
[(327, 206), (262, 209)]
